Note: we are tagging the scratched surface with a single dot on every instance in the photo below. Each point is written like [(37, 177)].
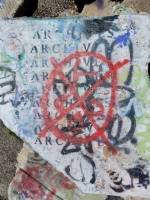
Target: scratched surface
[(76, 90)]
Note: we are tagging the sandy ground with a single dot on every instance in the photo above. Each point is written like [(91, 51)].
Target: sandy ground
[(10, 146)]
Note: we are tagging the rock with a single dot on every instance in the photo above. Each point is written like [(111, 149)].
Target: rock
[(143, 6), (8, 8), (109, 8), (121, 10), (93, 10), (54, 8), (76, 91), (139, 5)]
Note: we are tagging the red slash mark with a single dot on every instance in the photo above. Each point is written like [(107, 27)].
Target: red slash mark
[(50, 196), (51, 123)]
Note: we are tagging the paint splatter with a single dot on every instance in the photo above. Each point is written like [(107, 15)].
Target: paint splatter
[(122, 40), (2, 3)]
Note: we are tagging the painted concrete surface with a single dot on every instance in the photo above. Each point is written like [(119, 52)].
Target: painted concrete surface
[(78, 94), (47, 10), (36, 179)]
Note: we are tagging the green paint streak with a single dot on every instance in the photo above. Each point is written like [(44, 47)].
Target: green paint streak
[(139, 74), (82, 90), (93, 197), (5, 70), (76, 194), (96, 95), (18, 62), (4, 60), (120, 8), (14, 135), (141, 93)]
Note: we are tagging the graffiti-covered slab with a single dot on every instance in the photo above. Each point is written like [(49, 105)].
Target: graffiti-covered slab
[(77, 92)]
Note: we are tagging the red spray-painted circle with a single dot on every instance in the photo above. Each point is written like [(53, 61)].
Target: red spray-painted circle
[(57, 71)]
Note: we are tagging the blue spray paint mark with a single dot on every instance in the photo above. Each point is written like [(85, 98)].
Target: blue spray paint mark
[(2, 40), (16, 98), (132, 104), (23, 114), (74, 35), (62, 26), (122, 40), (2, 3)]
